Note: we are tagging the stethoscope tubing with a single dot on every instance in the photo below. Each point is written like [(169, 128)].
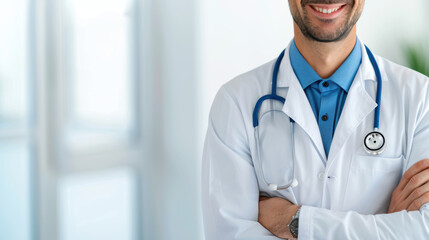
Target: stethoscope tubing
[(274, 96), (259, 162)]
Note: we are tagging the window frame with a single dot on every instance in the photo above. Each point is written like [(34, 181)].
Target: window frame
[(51, 161)]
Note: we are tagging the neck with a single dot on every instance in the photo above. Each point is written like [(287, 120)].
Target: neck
[(325, 58)]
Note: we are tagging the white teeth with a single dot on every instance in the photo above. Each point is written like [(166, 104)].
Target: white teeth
[(324, 10)]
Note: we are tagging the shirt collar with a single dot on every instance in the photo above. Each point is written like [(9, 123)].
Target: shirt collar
[(343, 77)]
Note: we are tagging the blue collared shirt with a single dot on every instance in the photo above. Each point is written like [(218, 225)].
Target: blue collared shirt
[(326, 96)]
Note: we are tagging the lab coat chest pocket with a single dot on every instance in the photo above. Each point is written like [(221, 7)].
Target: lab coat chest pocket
[(371, 182)]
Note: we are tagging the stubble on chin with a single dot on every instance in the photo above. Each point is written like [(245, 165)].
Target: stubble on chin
[(313, 33)]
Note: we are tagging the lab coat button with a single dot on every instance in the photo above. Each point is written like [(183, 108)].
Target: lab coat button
[(321, 175)]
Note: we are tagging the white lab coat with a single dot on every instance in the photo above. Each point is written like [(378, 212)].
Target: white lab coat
[(343, 197)]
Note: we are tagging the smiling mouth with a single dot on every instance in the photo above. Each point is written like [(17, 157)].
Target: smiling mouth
[(327, 8), (327, 11)]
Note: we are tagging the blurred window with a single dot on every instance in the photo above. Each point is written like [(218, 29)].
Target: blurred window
[(98, 205), (14, 66), (15, 151), (15, 190), (88, 141), (99, 87), (97, 120)]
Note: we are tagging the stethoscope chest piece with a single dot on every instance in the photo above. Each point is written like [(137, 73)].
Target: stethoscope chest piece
[(374, 143)]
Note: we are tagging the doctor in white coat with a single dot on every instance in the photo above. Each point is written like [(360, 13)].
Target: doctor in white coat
[(342, 191)]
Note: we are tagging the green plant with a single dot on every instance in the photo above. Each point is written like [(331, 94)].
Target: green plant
[(417, 58)]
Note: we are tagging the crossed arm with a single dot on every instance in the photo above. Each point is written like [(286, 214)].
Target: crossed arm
[(411, 194), (230, 193), (230, 203)]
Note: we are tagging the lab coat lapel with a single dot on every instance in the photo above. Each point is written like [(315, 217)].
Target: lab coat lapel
[(297, 105), (359, 104)]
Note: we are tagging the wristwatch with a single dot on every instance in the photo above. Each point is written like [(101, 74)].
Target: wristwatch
[(293, 225)]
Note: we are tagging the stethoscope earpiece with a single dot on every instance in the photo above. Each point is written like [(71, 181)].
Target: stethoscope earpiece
[(272, 187), (275, 187)]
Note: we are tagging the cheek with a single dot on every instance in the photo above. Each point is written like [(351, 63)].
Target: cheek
[(295, 11), (358, 7), (295, 6), (292, 6)]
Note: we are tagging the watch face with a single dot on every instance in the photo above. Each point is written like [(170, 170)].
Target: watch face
[(293, 227)]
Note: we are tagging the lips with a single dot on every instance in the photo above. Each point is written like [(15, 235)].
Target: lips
[(327, 11), (326, 8)]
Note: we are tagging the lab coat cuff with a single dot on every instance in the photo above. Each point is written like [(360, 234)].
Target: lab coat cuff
[(305, 222), (424, 207)]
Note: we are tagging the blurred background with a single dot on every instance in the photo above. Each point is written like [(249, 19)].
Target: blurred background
[(104, 104)]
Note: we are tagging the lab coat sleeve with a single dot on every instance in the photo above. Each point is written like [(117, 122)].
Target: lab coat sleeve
[(230, 192), (318, 223)]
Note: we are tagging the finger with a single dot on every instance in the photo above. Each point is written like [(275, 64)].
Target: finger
[(416, 194), (413, 170), (419, 202), (415, 182)]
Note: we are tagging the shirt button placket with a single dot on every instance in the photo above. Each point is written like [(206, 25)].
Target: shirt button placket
[(326, 113)]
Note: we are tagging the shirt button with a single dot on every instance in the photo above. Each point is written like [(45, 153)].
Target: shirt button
[(325, 117), (326, 84), (321, 175)]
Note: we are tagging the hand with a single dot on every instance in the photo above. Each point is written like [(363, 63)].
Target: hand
[(412, 191), (275, 214)]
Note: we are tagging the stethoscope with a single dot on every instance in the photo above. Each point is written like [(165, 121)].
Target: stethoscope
[(374, 142)]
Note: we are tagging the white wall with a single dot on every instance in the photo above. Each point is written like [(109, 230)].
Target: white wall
[(237, 36), (172, 175), (385, 25)]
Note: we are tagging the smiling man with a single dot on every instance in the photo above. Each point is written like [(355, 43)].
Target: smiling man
[(327, 141)]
